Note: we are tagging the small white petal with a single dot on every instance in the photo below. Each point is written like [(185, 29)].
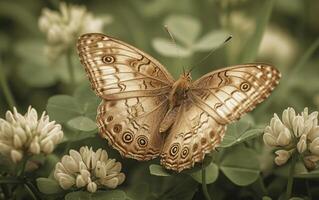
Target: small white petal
[(86, 175), (110, 183), (48, 147), (92, 187), (80, 182), (75, 155), (16, 156), (314, 146), (100, 170), (66, 181), (17, 143), (269, 139), (302, 144), (34, 147), (284, 137), (282, 157), (70, 164), (298, 126)]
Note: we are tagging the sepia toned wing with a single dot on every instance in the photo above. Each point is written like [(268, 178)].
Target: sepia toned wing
[(131, 125), (229, 93), (134, 88), (117, 70), (215, 100), (193, 134)]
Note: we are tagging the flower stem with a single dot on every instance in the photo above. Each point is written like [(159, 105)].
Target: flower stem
[(70, 67), (204, 186), (32, 190), (24, 163), (308, 190), (262, 185), (291, 176), (5, 88)]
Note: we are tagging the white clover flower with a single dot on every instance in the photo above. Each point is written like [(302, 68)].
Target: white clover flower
[(89, 169), (278, 45), (28, 134), (282, 156), (294, 133), (62, 28)]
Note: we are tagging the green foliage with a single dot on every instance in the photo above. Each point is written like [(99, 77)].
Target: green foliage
[(112, 195), (240, 165), (186, 30), (240, 168), (48, 186)]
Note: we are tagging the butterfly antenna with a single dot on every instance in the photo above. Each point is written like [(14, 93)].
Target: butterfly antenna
[(210, 53), (174, 43)]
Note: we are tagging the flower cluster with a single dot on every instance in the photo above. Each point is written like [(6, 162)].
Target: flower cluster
[(295, 133), (88, 169), (62, 28), (27, 134)]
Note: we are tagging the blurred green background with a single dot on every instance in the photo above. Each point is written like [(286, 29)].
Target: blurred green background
[(284, 33)]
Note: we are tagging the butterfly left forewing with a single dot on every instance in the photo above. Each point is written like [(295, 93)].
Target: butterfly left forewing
[(215, 100)]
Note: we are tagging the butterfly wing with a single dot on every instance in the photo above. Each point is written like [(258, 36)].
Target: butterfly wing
[(216, 99), (134, 88), (117, 70)]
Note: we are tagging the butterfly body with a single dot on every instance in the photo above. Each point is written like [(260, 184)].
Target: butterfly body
[(145, 113)]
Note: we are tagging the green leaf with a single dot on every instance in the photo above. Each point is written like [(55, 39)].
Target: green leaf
[(48, 186), (158, 170), (251, 48), (240, 165), (211, 40), (82, 123), (99, 195), (62, 108), (185, 28), (266, 198), (87, 100), (167, 48), (211, 174), (239, 132)]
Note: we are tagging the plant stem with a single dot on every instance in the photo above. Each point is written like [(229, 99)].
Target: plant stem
[(308, 190), (204, 186), (24, 163), (32, 190), (262, 185), (70, 67), (291, 176), (5, 88)]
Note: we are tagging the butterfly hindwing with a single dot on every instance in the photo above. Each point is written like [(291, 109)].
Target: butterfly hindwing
[(193, 134), (131, 125)]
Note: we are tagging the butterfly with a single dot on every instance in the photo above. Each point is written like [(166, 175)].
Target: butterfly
[(145, 113)]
